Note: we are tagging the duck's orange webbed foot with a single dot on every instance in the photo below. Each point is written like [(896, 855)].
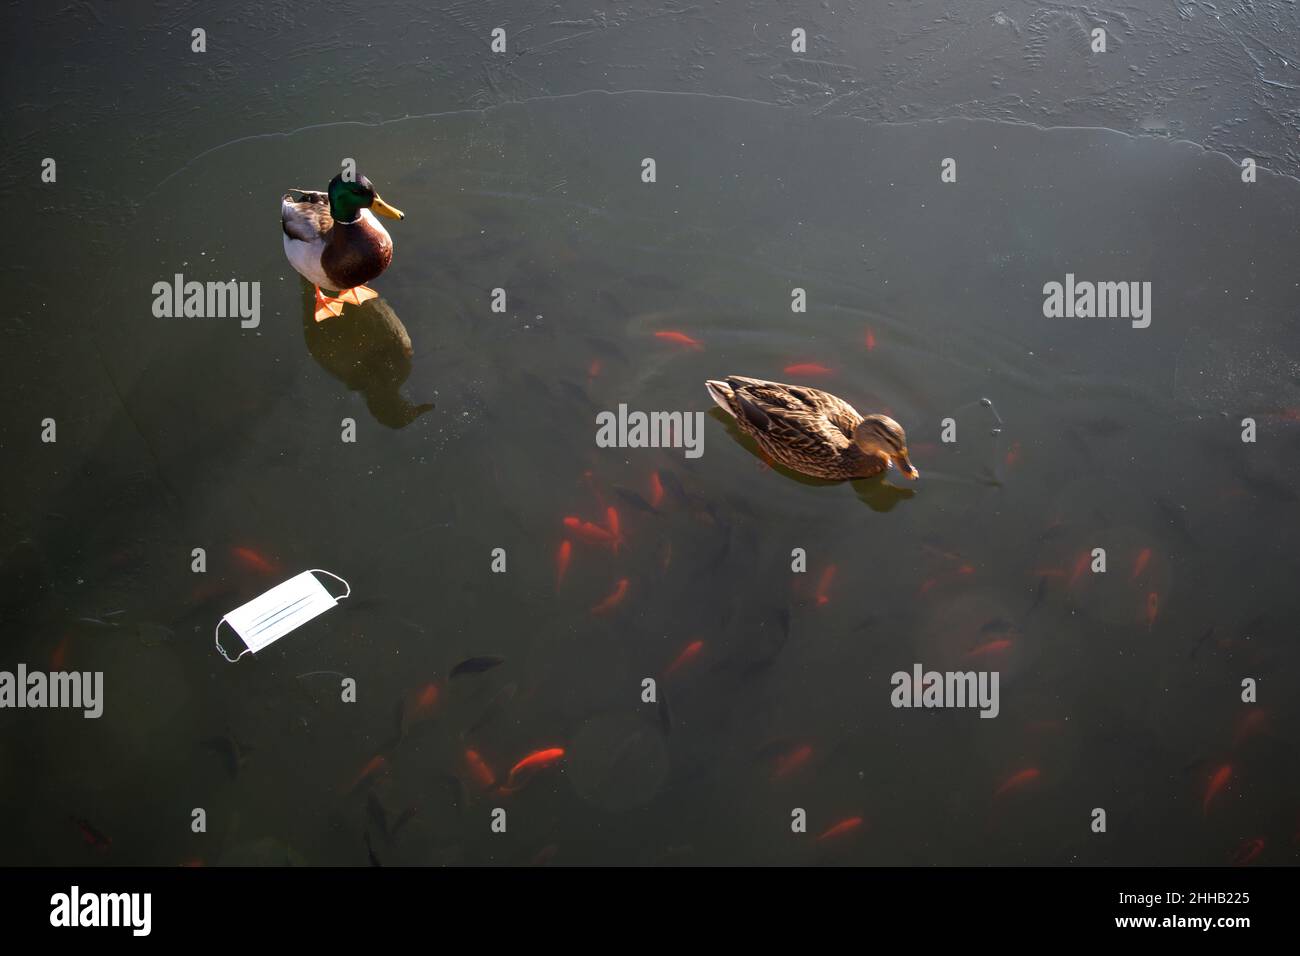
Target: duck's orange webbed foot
[(357, 295), (327, 308)]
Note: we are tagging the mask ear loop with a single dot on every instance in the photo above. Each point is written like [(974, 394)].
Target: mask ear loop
[(336, 578), (221, 650)]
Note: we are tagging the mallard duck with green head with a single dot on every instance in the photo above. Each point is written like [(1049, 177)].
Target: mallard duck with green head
[(335, 242), (811, 431)]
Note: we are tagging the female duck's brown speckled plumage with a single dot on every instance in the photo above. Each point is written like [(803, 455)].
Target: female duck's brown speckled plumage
[(811, 431)]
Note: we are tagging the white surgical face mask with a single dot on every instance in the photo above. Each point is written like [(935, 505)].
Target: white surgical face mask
[(270, 616)]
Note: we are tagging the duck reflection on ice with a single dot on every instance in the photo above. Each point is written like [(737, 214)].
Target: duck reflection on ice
[(368, 349)]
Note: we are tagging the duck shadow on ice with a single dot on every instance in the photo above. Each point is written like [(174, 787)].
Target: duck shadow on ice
[(368, 349)]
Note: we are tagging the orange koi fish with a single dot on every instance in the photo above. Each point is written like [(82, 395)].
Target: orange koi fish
[(1153, 609), (91, 836), (1255, 721), (1017, 780), (843, 828), (966, 570), (1140, 564), (591, 533), (656, 489), (992, 647), (1013, 455), (254, 561), (479, 770), (593, 370), (788, 763), (871, 341), (60, 655), (1080, 566), (1217, 783), (423, 703), (537, 760), (562, 558), (927, 584), (679, 338), (614, 526), (824, 585), (614, 599), (688, 654), (375, 765), (807, 368), (1245, 854)]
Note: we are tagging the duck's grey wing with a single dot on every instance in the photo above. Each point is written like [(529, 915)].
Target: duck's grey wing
[(306, 216)]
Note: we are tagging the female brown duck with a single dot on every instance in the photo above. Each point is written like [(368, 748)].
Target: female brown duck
[(811, 431)]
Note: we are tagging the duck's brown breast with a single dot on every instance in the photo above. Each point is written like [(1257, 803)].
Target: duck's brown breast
[(355, 253)]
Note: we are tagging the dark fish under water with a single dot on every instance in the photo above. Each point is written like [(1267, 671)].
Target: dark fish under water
[(664, 712), (92, 836), (370, 851), (377, 813), (673, 485), (232, 752), (635, 500), (1199, 644), (1268, 487), (500, 700), (1039, 593), (477, 665), (402, 820)]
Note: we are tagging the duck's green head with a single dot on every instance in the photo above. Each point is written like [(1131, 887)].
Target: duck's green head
[(349, 196)]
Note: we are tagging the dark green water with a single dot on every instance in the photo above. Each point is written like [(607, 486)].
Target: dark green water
[(182, 433)]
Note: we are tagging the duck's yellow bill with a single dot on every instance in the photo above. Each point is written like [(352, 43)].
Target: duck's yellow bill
[(383, 209)]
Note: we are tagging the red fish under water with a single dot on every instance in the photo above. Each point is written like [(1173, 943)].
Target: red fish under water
[(535, 761), (688, 654), (479, 770), (992, 647), (614, 527), (1013, 455), (423, 703), (60, 655), (788, 763), (843, 828), (614, 599), (1245, 854), (824, 585), (562, 557), (803, 369), (91, 836), (1080, 566), (1153, 609), (591, 533), (1217, 782), (375, 765), (1254, 721), (871, 341), (656, 489), (1017, 780), (593, 370), (254, 561), (1140, 565), (679, 338)]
